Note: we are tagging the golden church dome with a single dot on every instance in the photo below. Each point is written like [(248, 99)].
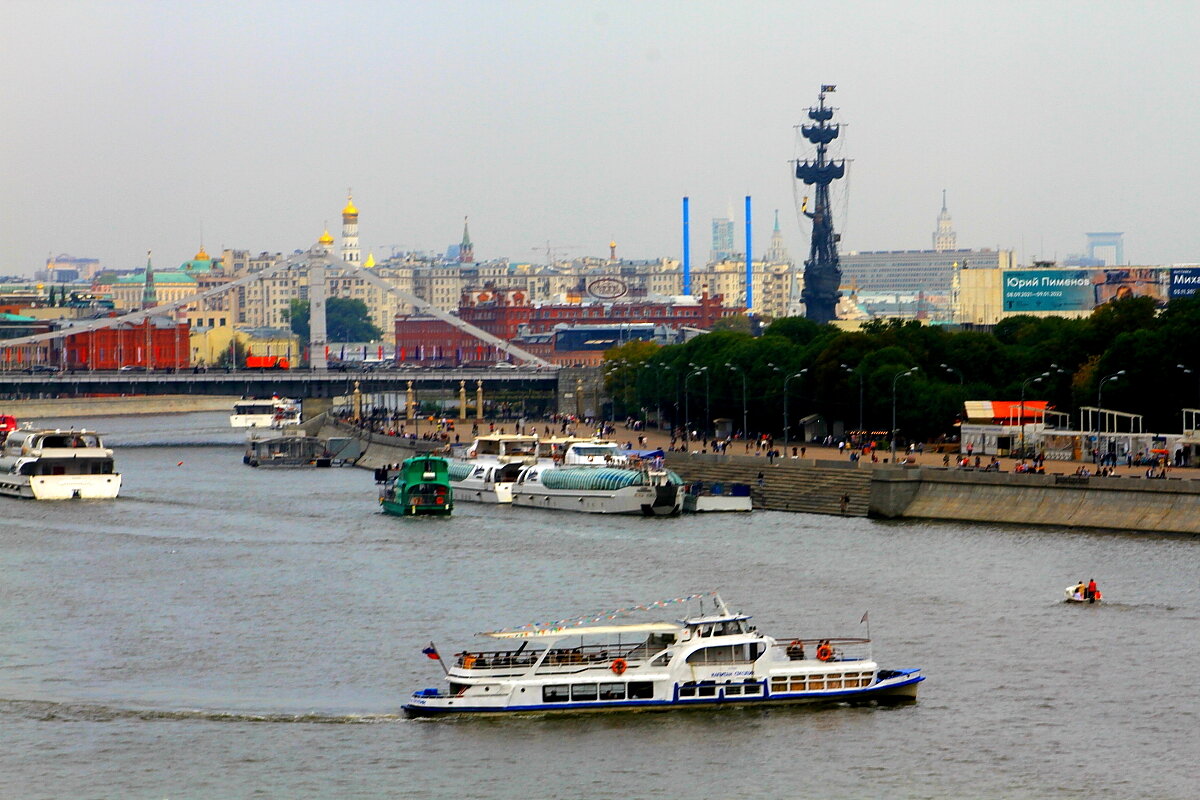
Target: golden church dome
[(202, 255), (325, 238), (349, 210)]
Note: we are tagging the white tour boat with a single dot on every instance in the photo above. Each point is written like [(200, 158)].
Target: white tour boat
[(491, 467), (274, 412), (718, 659), (57, 465), (595, 477)]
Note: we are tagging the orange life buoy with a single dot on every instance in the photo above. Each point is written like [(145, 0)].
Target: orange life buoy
[(824, 652), (619, 666)]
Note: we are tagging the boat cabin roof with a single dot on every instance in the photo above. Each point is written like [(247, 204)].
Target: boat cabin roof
[(587, 630)]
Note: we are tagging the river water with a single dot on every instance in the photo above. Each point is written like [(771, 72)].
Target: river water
[(226, 632)]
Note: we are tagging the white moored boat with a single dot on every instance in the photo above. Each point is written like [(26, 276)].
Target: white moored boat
[(58, 465), (718, 659), (595, 477), (491, 467), (275, 412)]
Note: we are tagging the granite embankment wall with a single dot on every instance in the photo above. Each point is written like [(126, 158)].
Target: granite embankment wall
[(1126, 503), (115, 406), (894, 492)]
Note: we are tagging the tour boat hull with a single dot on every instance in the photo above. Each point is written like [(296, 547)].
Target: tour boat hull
[(648, 501), (900, 686), (61, 487)]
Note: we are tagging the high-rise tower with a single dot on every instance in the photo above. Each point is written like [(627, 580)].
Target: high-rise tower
[(822, 275), (944, 237), (776, 252), (350, 249), (466, 251)]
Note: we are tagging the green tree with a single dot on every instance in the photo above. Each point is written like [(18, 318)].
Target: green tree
[(738, 322), (346, 320)]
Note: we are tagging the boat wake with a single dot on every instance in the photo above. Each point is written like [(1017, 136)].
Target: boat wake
[(46, 711)]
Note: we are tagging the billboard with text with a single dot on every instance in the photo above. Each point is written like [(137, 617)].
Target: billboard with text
[(1084, 289)]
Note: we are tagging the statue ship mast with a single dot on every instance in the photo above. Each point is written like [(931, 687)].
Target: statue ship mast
[(822, 273)]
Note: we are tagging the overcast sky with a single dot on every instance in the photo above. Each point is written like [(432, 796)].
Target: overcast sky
[(129, 127)]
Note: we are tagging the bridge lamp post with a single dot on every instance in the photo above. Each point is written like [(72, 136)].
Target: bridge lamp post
[(861, 382), (895, 381), (742, 373), (1100, 405), (786, 381)]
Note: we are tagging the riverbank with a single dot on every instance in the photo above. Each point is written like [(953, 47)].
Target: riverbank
[(25, 410)]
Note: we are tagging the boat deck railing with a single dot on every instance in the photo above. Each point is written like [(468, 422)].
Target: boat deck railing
[(842, 649), (558, 658)]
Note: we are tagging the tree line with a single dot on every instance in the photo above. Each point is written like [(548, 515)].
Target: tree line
[(1153, 352)]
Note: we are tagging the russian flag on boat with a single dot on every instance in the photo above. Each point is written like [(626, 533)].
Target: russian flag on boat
[(432, 652)]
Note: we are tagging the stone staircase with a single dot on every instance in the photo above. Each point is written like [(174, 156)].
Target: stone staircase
[(800, 485)]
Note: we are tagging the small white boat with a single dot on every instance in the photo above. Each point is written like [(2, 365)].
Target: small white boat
[(700, 498), (58, 465), (274, 412), (718, 659), (491, 467), (1074, 594)]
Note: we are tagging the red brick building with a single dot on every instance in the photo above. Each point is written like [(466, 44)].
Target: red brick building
[(506, 313), (126, 344)]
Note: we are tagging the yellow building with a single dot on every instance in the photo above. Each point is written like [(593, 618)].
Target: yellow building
[(209, 345)]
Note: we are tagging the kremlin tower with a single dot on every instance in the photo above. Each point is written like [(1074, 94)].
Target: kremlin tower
[(466, 251), (350, 249)]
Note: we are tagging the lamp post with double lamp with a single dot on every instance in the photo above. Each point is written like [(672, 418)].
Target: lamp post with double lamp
[(786, 429), (954, 370), (895, 381), (857, 374), (1021, 419), (741, 372), (1100, 406), (658, 373), (687, 401)]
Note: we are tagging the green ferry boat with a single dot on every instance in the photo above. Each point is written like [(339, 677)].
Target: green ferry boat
[(421, 487)]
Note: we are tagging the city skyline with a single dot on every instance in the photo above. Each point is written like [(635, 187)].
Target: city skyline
[(164, 126)]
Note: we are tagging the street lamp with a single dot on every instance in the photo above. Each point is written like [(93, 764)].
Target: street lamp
[(687, 400), (786, 429), (740, 371), (858, 375), (956, 371), (1100, 404), (895, 381), (1021, 419)]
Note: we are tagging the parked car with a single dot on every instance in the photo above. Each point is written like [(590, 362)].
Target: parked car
[(504, 365), (35, 369), (132, 368)]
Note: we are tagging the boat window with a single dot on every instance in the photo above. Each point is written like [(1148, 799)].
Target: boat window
[(687, 690), (559, 693), (612, 691), (752, 688), (661, 661), (583, 691), (707, 689), (779, 684), (641, 690), (732, 690), (717, 655)]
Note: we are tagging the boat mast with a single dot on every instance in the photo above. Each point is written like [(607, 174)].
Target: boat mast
[(822, 273)]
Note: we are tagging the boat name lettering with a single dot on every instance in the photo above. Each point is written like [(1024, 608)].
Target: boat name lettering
[(737, 673)]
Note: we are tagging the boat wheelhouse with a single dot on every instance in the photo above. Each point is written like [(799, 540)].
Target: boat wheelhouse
[(58, 465), (421, 487), (289, 448), (491, 466), (710, 660), (274, 412)]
